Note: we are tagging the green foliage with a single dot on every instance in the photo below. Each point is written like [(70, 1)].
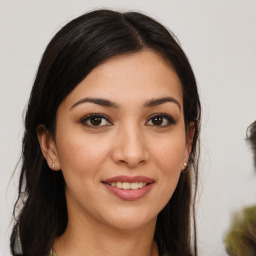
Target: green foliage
[(241, 238)]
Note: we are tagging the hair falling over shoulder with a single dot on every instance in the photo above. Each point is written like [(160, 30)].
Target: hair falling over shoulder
[(84, 43)]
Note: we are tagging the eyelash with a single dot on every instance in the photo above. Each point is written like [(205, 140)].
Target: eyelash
[(89, 117), (169, 120)]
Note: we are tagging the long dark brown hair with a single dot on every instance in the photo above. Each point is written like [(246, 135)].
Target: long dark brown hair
[(84, 43)]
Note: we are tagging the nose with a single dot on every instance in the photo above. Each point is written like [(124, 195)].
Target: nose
[(130, 147)]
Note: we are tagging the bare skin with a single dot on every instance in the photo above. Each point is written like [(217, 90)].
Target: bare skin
[(124, 119)]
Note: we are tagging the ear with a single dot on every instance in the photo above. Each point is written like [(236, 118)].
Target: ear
[(48, 147), (189, 140)]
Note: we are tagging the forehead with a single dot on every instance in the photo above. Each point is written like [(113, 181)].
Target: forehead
[(137, 76)]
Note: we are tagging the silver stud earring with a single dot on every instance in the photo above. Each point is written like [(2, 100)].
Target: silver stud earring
[(53, 165), (185, 165)]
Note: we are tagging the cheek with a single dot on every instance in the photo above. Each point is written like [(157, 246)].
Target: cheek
[(168, 157), (169, 154), (81, 154), (81, 160)]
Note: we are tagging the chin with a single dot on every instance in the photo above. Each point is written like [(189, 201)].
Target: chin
[(131, 220)]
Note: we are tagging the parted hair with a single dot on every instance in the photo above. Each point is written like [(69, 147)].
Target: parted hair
[(84, 43)]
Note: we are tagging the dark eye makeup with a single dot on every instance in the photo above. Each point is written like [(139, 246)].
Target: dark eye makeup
[(97, 120), (161, 120)]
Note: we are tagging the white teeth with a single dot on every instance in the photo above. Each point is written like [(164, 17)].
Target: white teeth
[(119, 185), (134, 185), (128, 185), (140, 184)]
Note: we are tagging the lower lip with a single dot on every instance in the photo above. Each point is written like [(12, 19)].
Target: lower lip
[(129, 194)]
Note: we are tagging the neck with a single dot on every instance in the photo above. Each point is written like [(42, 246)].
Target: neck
[(85, 236)]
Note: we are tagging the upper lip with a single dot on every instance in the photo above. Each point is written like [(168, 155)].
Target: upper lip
[(130, 179)]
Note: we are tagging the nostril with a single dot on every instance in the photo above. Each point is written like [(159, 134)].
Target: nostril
[(132, 162), (130, 153)]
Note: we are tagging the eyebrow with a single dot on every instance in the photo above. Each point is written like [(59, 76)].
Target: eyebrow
[(108, 103), (98, 101), (156, 102)]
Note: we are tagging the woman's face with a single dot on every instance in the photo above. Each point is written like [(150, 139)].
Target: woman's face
[(121, 141)]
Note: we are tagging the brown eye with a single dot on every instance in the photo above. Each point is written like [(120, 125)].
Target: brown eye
[(157, 120), (95, 121), (161, 120)]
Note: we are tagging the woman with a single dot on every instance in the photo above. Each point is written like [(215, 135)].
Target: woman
[(110, 145), (241, 238)]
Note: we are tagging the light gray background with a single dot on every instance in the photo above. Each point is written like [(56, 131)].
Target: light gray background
[(219, 38)]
